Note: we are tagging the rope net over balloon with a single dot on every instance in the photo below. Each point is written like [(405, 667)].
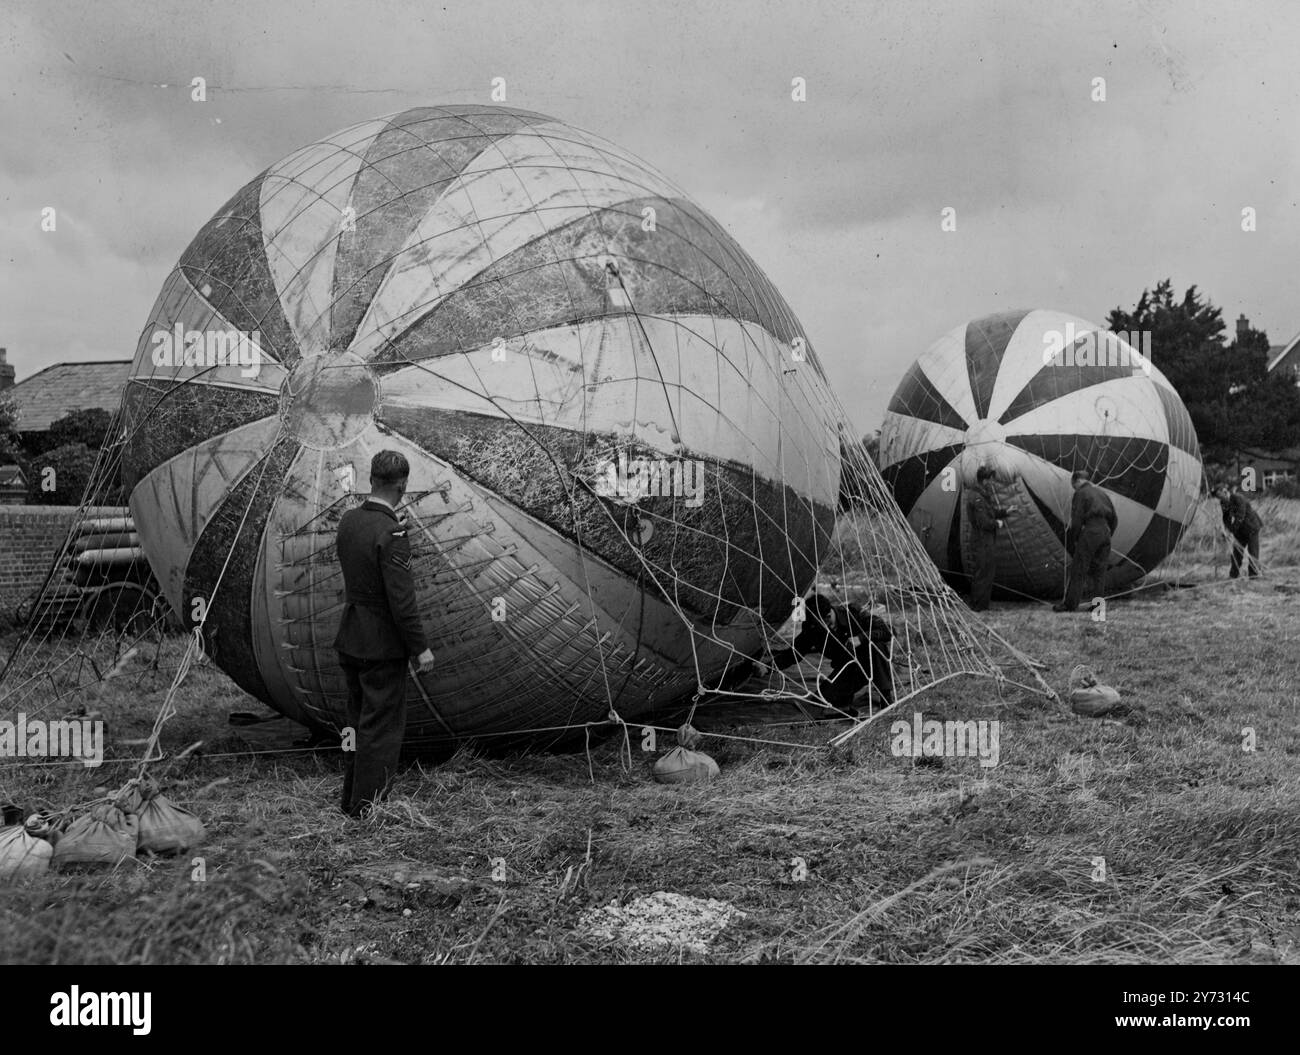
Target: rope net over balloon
[(628, 465)]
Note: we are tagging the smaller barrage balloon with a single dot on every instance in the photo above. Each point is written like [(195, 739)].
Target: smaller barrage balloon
[(1037, 395)]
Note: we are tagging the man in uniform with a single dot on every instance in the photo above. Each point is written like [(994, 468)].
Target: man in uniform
[(855, 643), (1087, 540), (379, 633), (1243, 524), (985, 516)]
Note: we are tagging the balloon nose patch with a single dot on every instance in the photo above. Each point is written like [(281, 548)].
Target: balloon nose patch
[(329, 400), (985, 431)]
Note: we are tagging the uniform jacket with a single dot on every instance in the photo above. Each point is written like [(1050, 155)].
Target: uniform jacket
[(380, 617), (851, 638), (1239, 516), (982, 511), (1090, 503)]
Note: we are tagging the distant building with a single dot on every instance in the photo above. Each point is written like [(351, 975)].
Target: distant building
[(13, 486), (1271, 467), (1280, 356), (58, 390), (1285, 357)]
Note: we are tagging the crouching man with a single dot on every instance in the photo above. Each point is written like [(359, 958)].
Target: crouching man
[(379, 633), (1243, 524), (856, 644)]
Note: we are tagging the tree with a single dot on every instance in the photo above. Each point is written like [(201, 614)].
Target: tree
[(81, 430), (1233, 400), (71, 467), (88, 427), (10, 448)]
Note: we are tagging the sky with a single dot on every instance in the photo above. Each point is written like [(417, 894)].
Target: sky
[(986, 108)]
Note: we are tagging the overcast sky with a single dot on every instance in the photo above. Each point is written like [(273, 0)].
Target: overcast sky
[(911, 107)]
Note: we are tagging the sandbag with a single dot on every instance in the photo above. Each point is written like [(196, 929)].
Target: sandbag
[(1094, 701), (105, 835), (131, 798), (683, 764), (1088, 696), (166, 827), (22, 854), (680, 766)]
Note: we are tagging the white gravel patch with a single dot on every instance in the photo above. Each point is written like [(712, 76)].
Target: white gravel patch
[(661, 920)]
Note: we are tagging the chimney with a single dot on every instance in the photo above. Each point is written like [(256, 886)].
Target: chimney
[(6, 372), (1243, 324)]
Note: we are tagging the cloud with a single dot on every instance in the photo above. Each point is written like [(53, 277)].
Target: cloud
[(986, 108)]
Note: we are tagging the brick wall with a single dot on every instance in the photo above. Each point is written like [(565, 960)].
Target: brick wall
[(30, 537)]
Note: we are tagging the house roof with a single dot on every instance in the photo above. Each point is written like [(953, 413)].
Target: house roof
[(1280, 355), (1288, 456), (12, 476), (62, 388)]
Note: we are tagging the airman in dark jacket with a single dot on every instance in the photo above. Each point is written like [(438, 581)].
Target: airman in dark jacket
[(1243, 524), (379, 633), (1087, 540), (855, 642), (985, 516)]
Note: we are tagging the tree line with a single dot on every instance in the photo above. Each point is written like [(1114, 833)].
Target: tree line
[(58, 463)]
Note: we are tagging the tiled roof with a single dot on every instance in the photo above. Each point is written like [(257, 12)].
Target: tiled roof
[(1286, 454), (62, 388), (1288, 354)]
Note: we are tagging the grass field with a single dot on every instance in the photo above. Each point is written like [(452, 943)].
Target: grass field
[(905, 863)]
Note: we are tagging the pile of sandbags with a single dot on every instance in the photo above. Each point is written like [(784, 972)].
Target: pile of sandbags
[(683, 764), (138, 818)]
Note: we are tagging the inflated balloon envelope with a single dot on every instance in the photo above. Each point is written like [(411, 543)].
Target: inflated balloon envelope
[(438, 282), (1036, 395)]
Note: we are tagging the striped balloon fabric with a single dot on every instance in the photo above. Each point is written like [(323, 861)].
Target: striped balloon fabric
[(624, 460), (1037, 395)]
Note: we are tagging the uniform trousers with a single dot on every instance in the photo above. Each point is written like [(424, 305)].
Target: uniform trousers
[(377, 715), (984, 545), (1245, 542), (1088, 565)]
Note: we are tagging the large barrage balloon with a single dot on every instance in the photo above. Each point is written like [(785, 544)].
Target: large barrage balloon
[(622, 464), (1037, 395)]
